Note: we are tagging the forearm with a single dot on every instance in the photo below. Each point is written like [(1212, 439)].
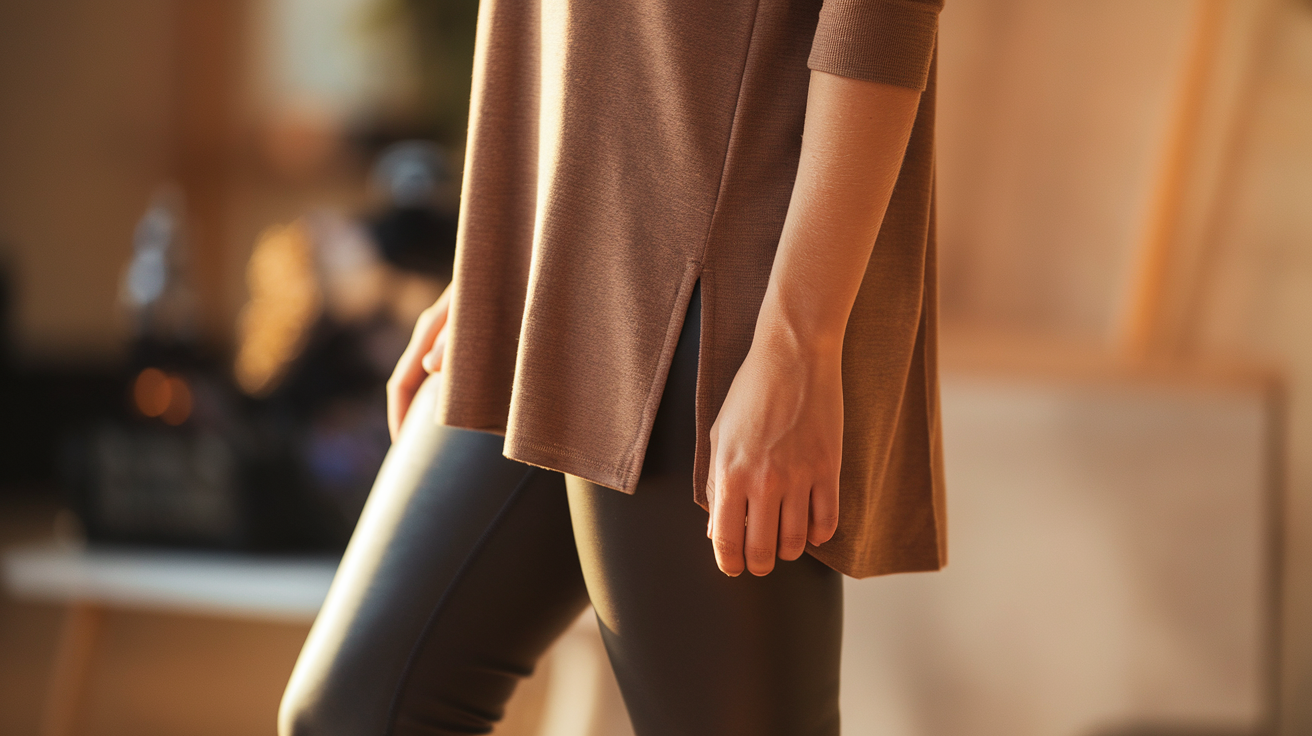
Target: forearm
[(856, 134)]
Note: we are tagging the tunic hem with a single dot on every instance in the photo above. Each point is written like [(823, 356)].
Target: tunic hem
[(565, 460)]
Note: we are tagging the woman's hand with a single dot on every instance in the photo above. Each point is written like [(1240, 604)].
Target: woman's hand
[(422, 356), (776, 448)]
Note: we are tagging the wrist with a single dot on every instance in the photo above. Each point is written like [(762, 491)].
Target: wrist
[(806, 325), (782, 333)]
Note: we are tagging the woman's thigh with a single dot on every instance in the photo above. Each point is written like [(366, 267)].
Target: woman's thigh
[(697, 652), (460, 574)]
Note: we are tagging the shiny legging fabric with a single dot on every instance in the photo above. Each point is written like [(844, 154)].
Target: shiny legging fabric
[(466, 566)]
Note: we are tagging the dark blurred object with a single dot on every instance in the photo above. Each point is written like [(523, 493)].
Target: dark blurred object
[(284, 456), (37, 404), (417, 239), (334, 403), (188, 462), (180, 456), (6, 317), (411, 232), (444, 54), (327, 319)]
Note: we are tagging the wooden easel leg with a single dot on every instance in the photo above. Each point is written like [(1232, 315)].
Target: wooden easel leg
[(68, 678)]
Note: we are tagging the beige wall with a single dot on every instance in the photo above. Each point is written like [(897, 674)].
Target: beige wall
[(1050, 115), (101, 103), (84, 122), (1055, 118)]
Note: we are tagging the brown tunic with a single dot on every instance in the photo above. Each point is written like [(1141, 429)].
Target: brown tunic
[(618, 152)]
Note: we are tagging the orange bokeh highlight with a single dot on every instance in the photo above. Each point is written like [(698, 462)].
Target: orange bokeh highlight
[(159, 394), (179, 407), (151, 392)]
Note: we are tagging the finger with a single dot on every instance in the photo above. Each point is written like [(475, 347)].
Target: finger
[(401, 388), (710, 501), (730, 510), (823, 521), (432, 361), (792, 525), (430, 325), (762, 532), (409, 372), (710, 480)]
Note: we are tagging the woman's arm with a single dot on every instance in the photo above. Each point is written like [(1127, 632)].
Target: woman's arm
[(776, 446)]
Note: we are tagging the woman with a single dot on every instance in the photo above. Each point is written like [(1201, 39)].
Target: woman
[(696, 253)]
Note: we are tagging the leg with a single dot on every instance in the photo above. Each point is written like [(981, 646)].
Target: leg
[(696, 652), (461, 573)]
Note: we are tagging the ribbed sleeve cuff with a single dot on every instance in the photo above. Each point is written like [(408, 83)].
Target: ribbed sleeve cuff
[(889, 41)]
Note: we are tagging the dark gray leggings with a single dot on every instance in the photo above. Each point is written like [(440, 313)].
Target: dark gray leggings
[(466, 566)]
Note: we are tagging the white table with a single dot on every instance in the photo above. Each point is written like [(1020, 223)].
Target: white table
[(575, 696), (94, 579)]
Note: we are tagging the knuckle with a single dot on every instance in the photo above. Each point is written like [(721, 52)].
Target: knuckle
[(717, 478), (760, 480), (760, 490), (735, 475), (760, 552), (730, 495), (725, 547), (792, 542)]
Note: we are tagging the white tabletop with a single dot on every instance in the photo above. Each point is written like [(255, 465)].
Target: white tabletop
[(278, 587)]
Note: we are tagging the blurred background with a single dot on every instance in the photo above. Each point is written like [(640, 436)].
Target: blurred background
[(219, 219)]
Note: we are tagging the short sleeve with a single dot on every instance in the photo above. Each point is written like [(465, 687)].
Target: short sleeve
[(889, 41)]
